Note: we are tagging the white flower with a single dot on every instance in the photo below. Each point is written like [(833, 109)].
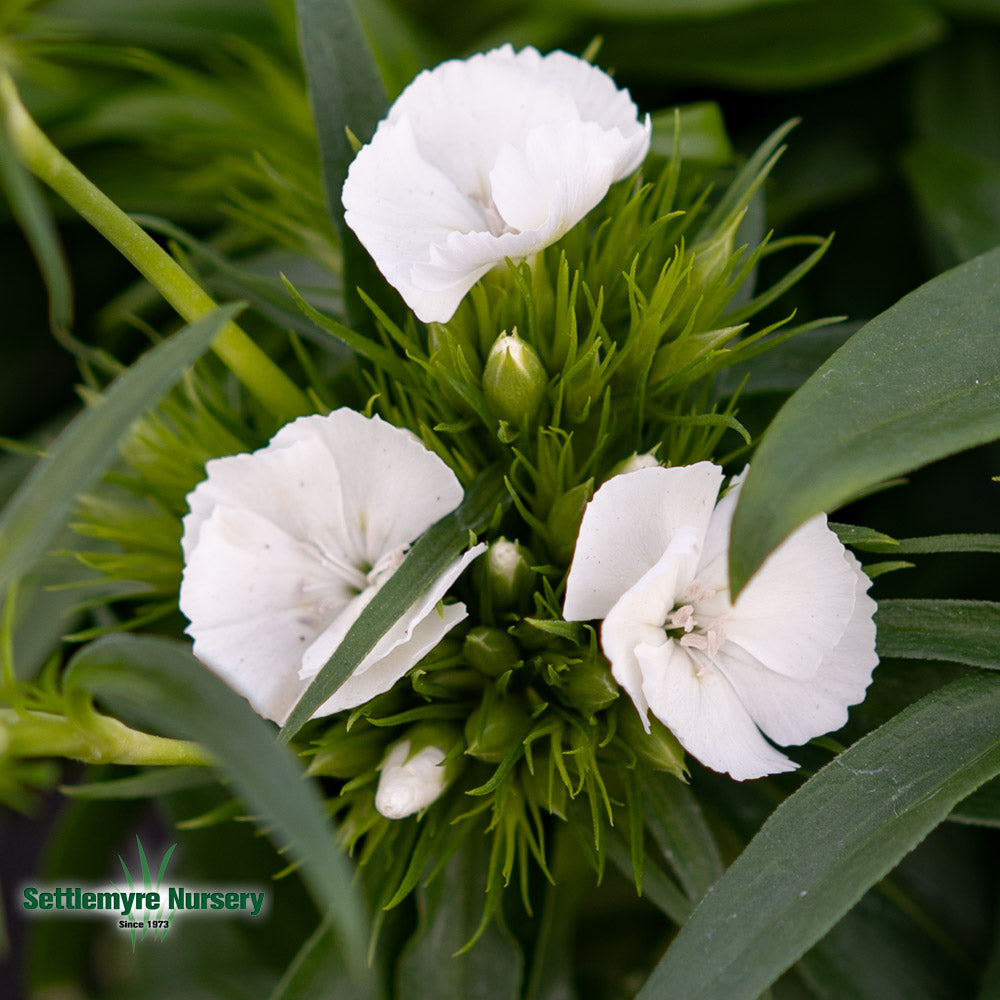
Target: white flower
[(407, 784), (491, 157), (285, 547), (787, 659)]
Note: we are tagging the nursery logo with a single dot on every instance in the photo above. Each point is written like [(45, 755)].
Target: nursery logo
[(143, 906)]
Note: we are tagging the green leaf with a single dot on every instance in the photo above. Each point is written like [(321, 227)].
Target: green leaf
[(33, 216), (317, 973), (450, 909), (826, 844), (957, 631), (346, 92), (660, 9), (433, 552), (149, 784), (917, 383), (702, 132), (959, 198), (789, 45), (157, 683), (929, 545), (684, 838), (87, 448)]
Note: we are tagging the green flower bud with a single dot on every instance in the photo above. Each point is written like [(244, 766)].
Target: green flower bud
[(586, 684), (563, 522), (657, 749), (493, 729), (514, 380), (507, 574), (346, 754), (491, 651)]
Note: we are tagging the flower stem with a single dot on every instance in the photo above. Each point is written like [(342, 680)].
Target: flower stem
[(262, 377), (102, 740)]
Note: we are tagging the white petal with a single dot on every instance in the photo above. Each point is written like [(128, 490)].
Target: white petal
[(393, 488), (638, 616), (464, 111), (699, 706), (400, 206), (407, 786), (297, 488), (793, 710), (628, 525), (255, 597), (796, 606)]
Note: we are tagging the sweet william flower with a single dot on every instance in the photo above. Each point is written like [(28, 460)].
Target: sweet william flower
[(285, 547), (486, 158), (786, 660)]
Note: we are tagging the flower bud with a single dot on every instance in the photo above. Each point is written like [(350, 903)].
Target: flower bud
[(457, 364), (346, 754), (416, 770), (492, 730), (514, 380), (507, 574), (491, 651), (563, 522), (585, 683), (657, 749)]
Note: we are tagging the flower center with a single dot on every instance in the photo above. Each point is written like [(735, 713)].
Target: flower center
[(682, 624), (495, 222)]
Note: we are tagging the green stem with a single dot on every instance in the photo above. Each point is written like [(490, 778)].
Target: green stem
[(102, 740), (262, 377)]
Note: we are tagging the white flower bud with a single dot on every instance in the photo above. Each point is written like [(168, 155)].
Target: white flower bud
[(408, 784)]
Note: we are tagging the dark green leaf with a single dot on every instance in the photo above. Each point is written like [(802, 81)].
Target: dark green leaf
[(981, 808), (318, 973), (959, 198), (660, 10), (89, 445), (684, 838), (796, 878), (915, 384), (930, 545), (702, 133), (789, 45), (450, 910), (957, 631), (157, 683), (148, 784), (437, 548), (346, 92), (32, 214)]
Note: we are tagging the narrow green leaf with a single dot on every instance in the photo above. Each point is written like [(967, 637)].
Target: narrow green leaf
[(157, 683), (33, 216), (433, 552), (981, 808), (796, 878), (685, 840), (917, 383), (957, 631), (317, 973), (865, 539), (87, 448), (149, 784), (346, 92), (928, 545), (450, 909)]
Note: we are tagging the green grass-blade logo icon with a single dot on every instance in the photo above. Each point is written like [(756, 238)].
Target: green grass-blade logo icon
[(155, 924)]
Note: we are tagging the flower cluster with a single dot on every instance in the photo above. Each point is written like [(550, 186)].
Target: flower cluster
[(560, 360)]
